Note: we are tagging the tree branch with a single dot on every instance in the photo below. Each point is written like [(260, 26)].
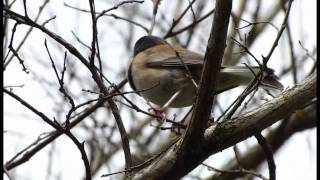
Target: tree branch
[(225, 134), (189, 147), (276, 139)]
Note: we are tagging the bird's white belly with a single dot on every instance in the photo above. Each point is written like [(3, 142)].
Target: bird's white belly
[(159, 85)]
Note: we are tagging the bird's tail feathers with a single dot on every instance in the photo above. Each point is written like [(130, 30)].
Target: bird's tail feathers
[(269, 79)]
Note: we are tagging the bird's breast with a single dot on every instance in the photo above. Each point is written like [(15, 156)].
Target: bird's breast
[(159, 84)]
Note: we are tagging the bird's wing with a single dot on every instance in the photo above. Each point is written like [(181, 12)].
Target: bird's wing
[(178, 58), (174, 62)]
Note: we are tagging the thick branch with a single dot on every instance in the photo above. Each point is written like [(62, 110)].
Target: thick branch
[(190, 145), (212, 63), (227, 133), (231, 132), (276, 139)]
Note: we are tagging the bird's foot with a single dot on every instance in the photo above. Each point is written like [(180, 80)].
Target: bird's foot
[(160, 113)]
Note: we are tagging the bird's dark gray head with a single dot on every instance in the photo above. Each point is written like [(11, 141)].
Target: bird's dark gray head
[(147, 42)]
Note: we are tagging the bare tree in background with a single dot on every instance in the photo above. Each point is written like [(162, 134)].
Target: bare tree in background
[(82, 72)]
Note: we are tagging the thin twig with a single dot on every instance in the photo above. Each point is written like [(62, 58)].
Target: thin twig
[(145, 163), (94, 32), (15, 53), (269, 155), (130, 21), (176, 21), (7, 173), (58, 127), (247, 51), (238, 171), (307, 51), (104, 13), (28, 32), (25, 8), (60, 80), (79, 40), (292, 54), (174, 33), (256, 23), (275, 44)]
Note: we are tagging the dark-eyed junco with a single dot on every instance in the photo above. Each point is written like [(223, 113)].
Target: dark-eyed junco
[(167, 75)]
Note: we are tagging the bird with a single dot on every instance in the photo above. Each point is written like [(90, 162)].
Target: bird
[(167, 75)]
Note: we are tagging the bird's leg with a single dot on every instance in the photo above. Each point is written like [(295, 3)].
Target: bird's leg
[(160, 112)]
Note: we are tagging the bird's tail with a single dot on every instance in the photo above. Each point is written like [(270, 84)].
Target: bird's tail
[(243, 75)]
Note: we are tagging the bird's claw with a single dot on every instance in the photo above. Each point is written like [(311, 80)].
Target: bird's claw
[(160, 113)]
